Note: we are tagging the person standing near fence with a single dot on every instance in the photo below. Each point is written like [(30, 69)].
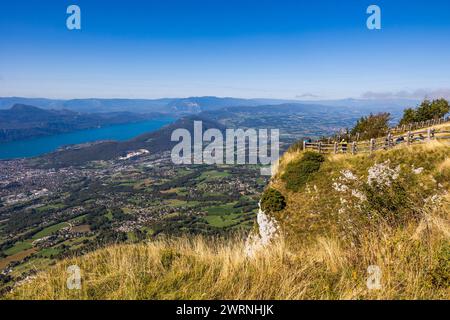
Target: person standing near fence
[(344, 146)]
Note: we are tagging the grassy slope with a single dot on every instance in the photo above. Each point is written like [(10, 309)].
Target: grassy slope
[(319, 209), (323, 254)]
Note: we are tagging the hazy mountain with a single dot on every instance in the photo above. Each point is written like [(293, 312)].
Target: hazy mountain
[(198, 104), (394, 106), (165, 105)]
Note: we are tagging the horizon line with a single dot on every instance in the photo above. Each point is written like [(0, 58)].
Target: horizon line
[(219, 97)]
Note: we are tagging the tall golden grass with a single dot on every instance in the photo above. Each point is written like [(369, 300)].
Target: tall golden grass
[(199, 268)]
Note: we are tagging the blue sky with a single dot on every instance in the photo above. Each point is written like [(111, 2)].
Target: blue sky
[(248, 48)]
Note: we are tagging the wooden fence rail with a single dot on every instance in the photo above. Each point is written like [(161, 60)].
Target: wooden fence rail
[(409, 137), (419, 125)]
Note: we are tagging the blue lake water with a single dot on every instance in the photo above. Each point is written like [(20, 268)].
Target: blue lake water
[(41, 145)]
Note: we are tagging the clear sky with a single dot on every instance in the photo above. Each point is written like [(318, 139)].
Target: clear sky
[(242, 48)]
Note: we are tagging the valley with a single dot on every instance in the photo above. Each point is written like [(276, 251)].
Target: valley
[(47, 214), (83, 197)]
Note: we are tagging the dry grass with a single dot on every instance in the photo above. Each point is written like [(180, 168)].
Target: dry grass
[(445, 165), (213, 269), (444, 126), (288, 157)]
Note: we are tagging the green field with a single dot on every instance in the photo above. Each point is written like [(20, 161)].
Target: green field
[(78, 219), (181, 203), (48, 252), (56, 206), (127, 183), (18, 247), (214, 174), (50, 230), (222, 209), (222, 221), (109, 215)]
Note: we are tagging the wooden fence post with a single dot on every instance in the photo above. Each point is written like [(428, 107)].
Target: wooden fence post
[(408, 138), (429, 134), (335, 147), (304, 145), (372, 145), (320, 147), (354, 147)]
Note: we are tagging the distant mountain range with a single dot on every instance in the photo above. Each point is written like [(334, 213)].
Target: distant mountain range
[(165, 105), (24, 121), (39, 117), (194, 105)]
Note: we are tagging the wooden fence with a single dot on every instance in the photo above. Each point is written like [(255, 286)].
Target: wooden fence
[(419, 125), (411, 136)]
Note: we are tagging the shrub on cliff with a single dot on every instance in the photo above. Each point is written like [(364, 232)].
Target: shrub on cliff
[(298, 173), (272, 201)]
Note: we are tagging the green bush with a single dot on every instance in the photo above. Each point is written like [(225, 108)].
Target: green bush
[(394, 204), (313, 156), (272, 201), (298, 173)]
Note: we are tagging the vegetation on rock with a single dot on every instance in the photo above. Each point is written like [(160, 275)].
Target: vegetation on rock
[(298, 173), (272, 201)]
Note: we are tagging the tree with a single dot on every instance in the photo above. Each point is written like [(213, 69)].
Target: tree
[(427, 110), (409, 116), (372, 126)]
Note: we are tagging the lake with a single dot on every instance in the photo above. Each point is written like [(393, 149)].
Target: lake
[(41, 145)]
